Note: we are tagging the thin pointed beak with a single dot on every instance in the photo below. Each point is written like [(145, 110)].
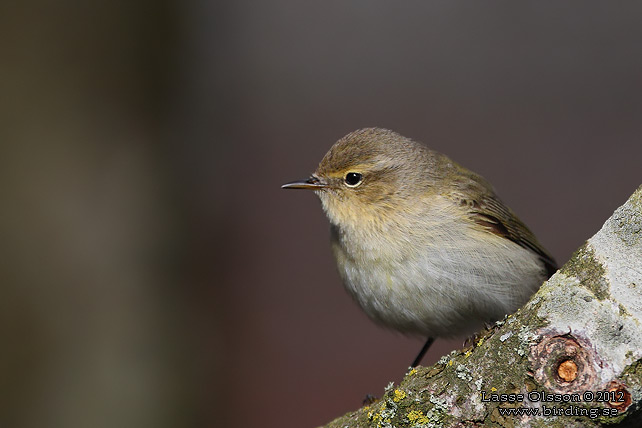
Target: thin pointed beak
[(311, 183)]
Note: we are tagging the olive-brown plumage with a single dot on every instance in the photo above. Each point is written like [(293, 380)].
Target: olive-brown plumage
[(422, 244)]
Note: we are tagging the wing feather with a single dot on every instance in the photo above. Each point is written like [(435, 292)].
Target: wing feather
[(488, 211)]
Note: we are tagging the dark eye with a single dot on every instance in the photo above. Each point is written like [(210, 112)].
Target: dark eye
[(353, 179)]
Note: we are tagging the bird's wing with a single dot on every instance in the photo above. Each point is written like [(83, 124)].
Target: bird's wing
[(488, 211)]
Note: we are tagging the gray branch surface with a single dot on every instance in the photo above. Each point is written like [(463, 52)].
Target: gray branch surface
[(571, 357)]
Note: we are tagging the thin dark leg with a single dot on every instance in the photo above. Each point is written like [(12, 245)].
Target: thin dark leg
[(423, 351)]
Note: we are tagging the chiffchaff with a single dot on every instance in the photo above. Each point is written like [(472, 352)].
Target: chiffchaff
[(422, 244)]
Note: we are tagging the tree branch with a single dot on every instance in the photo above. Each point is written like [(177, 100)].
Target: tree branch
[(571, 357)]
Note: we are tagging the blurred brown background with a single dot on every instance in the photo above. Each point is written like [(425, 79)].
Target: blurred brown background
[(152, 272)]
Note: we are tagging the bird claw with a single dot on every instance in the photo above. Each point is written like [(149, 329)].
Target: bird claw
[(369, 399)]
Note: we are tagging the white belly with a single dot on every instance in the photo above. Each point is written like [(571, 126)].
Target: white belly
[(452, 287)]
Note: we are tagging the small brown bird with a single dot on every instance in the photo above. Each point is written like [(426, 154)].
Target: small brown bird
[(422, 244)]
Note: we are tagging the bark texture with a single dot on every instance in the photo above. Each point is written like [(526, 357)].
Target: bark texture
[(571, 357)]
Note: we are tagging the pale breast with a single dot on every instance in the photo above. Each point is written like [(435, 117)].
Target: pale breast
[(450, 285)]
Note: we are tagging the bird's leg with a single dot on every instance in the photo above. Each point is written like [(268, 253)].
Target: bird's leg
[(471, 341), (422, 352)]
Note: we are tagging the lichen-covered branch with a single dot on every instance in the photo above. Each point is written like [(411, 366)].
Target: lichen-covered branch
[(571, 357)]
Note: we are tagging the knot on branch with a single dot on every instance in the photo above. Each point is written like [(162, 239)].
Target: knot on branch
[(563, 365)]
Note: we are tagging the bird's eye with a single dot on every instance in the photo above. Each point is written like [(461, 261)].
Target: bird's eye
[(353, 179)]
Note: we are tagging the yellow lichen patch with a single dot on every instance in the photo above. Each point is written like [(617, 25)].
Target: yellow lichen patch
[(379, 416), (398, 395), (493, 389), (468, 354), (375, 417), (418, 418), (450, 363), (412, 372)]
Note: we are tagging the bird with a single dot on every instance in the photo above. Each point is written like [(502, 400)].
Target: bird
[(423, 245)]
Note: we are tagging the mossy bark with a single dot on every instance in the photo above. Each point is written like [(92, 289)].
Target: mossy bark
[(571, 357)]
